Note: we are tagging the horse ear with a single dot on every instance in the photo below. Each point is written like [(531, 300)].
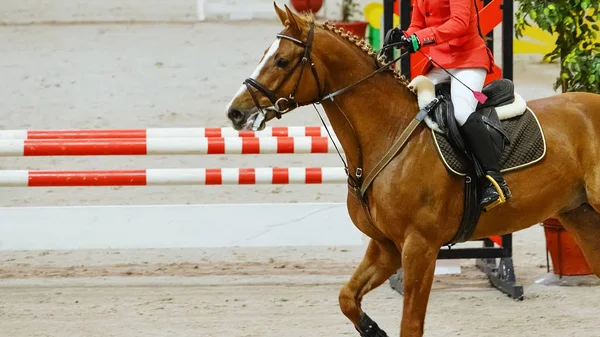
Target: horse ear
[(280, 13), (293, 19)]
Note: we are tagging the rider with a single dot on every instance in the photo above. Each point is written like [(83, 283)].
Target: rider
[(451, 28)]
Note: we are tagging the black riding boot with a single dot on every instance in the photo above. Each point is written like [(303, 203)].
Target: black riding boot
[(488, 155)]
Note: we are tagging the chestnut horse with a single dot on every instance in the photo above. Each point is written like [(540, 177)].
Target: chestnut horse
[(414, 206)]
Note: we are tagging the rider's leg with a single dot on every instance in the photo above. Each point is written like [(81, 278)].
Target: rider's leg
[(463, 99), (438, 76), (478, 136)]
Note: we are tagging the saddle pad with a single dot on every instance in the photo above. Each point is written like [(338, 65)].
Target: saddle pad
[(527, 145)]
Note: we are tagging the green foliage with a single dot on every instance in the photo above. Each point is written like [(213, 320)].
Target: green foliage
[(575, 24), (581, 70), (349, 8)]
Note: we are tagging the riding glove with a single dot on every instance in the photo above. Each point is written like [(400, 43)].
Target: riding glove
[(411, 43), (397, 36), (393, 36)]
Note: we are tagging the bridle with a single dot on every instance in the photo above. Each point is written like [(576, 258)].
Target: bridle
[(290, 102)]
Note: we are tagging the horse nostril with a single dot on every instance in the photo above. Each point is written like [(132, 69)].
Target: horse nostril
[(235, 115)]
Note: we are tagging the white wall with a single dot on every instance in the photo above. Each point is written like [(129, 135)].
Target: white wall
[(28, 11), (177, 226), (183, 226)]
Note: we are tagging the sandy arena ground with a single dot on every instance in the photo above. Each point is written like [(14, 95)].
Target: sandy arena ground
[(182, 75)]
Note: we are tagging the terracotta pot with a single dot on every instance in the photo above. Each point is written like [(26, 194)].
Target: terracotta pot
[(358, 28), (307, 5), (567, 258)]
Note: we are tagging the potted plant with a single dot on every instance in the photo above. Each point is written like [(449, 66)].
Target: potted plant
[(567, 258), (349, 9), (307, 5)]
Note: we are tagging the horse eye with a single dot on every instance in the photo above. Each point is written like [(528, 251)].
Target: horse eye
[(282, 63)]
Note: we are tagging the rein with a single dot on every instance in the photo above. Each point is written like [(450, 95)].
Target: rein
[(356, 182)]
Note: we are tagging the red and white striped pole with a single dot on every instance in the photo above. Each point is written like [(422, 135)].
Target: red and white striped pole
[(275, 131), (166, 146), (161, 177)]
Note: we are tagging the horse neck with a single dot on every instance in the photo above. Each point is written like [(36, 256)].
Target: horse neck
[(371, 115)]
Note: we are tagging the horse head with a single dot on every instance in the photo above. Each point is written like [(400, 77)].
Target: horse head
[(289, 75)]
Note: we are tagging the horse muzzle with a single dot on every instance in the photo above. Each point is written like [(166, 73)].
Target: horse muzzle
[(254, 120)]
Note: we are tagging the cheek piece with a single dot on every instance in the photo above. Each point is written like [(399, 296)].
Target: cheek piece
[(284, 105)]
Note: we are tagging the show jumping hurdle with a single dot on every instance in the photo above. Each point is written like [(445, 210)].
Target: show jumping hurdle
[(163, 177), (166, 146), (275, 131)]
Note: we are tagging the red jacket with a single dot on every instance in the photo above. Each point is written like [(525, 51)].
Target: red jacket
[(450, 28)]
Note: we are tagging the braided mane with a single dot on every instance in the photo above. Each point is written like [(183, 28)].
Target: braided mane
[(381, 60)]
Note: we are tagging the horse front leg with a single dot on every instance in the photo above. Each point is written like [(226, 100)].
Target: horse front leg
[(381, 260), (418, 260)]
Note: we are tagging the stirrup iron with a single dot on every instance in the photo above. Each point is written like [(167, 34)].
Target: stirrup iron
[(501, 199)]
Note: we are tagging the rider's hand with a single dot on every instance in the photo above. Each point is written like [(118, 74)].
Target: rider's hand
[(411, 43), (393, 36)]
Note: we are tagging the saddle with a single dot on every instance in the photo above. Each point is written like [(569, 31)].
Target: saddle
[(515, 129)]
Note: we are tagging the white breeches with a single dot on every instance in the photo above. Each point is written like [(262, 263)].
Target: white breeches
[(462, 98)]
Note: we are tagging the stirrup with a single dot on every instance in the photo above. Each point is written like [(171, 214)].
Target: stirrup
[(501, 197)]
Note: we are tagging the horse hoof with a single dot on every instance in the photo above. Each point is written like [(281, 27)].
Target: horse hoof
[(368, 328)]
